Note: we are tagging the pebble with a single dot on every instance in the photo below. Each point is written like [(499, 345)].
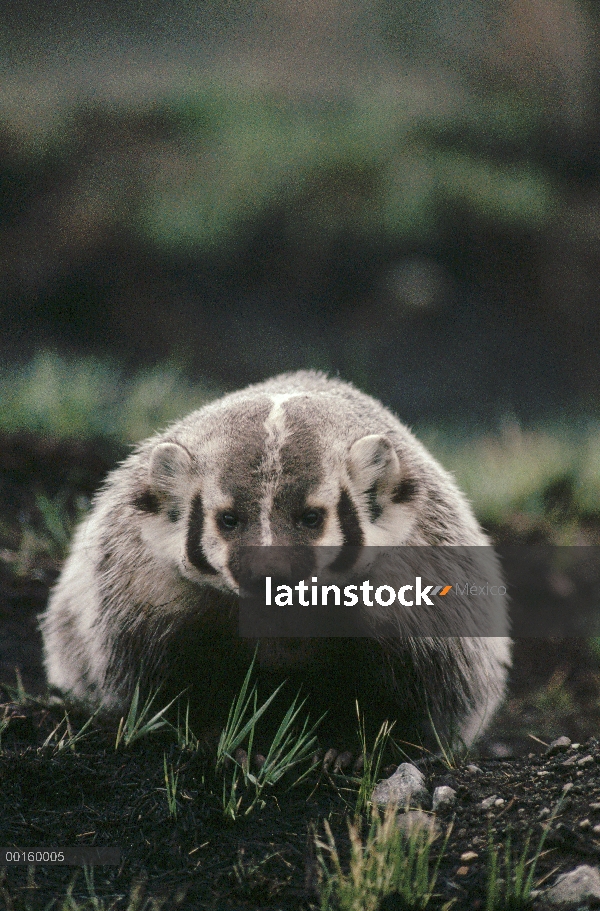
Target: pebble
[(462, 871), (586, 760), (595, 807), (570, 761), (488, 803), (443, 798), (575, 746), (406, 787), (584, 825), (596, 830), (468, 856), (558, 746), (500, 750), (499, 802), (544, 813), (571, 889), (474, 770)]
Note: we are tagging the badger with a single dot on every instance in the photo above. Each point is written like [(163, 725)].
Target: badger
[(148, 595)]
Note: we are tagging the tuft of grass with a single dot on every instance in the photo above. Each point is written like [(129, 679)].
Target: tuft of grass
[(242, 720), (372, 761), (388, 861), (171, 782), (186, 738), (289, 748), (19, 695), (513, 890), (138, 899), (68, 737), (137, 724), (452, 748)]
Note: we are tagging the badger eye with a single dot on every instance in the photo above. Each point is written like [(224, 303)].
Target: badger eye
[(312, 518), (229, 520)]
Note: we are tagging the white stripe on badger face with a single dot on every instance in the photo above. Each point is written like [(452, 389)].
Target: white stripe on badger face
[(276, 435)]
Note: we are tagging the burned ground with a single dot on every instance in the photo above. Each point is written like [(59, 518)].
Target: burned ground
[(94, 794)]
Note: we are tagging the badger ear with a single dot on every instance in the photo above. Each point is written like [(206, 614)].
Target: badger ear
[(169, 465), (377, 475), (372, 460)]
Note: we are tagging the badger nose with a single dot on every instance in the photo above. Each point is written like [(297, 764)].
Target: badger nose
[(284, 565)]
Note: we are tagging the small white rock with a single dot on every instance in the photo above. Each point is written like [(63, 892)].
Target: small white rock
[(585, 760), (406, 788), (575, 887), (488, 803), (558, 746), (443, 798), (468, 856), (499, 802), (474, 770), (596, 830), (584, 825), (595, 807)]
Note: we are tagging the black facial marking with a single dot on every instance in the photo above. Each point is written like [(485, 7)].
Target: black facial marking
[(146, 501), (349, 521), (374, 506), (173, 514), (194, 538), (352, 534), (405, 491)]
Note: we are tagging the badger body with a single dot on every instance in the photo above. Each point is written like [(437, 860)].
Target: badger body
[(149, 592)]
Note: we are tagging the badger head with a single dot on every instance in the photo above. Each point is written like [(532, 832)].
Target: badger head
[(292, 470)]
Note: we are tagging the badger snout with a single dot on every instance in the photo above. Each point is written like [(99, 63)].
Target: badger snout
[(283, 565)]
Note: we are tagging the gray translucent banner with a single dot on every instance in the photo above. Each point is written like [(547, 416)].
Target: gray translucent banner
[(300, 592)]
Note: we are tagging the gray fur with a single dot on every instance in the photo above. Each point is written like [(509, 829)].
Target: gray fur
[(149, 589)]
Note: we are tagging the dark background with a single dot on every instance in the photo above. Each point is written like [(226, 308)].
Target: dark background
[(407, 193)]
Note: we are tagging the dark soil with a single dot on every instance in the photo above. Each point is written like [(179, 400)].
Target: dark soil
[(95, 795)]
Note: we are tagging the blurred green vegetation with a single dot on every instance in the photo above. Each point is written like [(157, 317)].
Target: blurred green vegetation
[(87, 398), (551, 470), (548, 471), (197, 171), (366, 165)]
